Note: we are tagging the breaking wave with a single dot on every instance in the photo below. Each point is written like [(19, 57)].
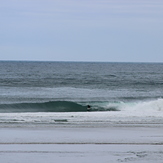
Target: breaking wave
[(69, 106)]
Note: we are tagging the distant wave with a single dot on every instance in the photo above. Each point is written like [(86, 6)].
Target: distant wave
[(51, 106)]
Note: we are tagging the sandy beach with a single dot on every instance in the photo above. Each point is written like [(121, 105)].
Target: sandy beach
[(60, 143)]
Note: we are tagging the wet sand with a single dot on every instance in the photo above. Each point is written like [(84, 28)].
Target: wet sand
[(125, 143)]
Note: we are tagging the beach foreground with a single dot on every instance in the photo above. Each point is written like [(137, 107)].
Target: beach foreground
[(60, 143)]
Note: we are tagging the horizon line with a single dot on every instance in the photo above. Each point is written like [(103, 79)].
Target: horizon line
[(80, 61)]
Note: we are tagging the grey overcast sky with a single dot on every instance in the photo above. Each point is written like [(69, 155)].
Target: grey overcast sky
[(82, 30)]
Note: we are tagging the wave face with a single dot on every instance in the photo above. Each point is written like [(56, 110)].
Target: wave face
[(51, 106)]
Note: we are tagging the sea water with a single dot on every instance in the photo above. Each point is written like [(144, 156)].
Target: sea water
[(59, 92)]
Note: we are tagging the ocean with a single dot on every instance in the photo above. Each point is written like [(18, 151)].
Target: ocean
[(59, 92)]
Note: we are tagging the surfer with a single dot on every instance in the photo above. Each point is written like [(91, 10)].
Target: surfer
[(88, 108)]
